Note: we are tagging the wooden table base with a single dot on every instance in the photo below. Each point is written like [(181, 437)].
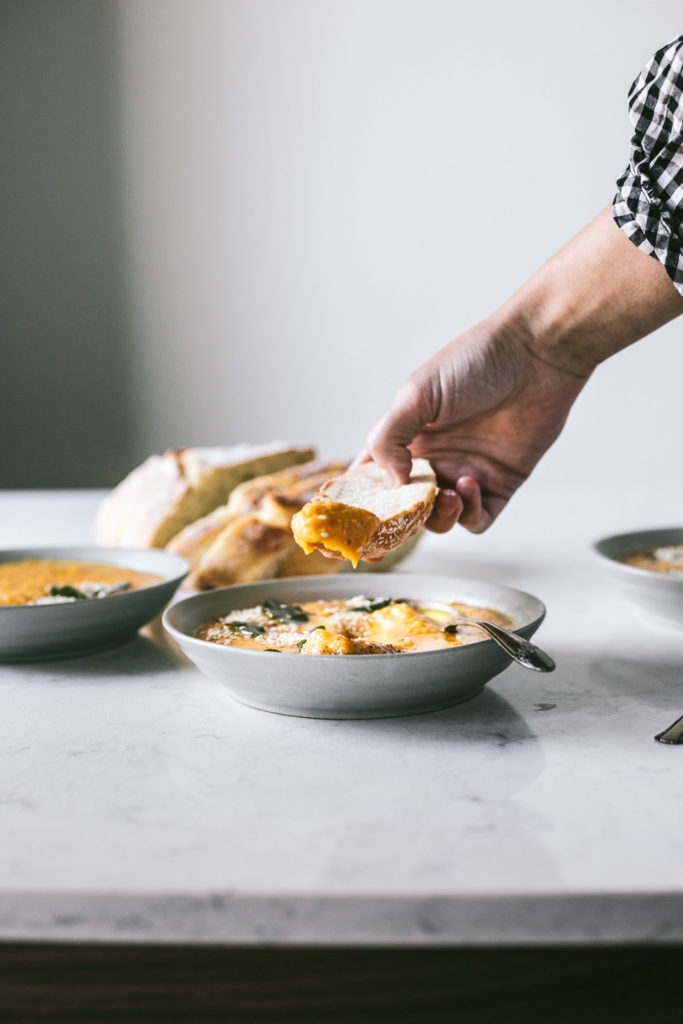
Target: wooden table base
[(129, 984)]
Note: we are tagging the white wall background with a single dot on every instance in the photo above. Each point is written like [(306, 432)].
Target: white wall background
[(242, 219), (320, 193)]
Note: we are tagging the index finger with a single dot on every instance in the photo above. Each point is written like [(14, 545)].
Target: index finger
[(362, 457)]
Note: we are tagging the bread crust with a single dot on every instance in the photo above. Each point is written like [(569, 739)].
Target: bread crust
[(339, 529), (248, 549), (227, 547), (249, 496), (167, 492)]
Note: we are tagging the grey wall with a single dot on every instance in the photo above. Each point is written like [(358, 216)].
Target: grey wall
[(65, 415)]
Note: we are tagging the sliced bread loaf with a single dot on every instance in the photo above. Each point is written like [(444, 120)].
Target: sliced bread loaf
[(255, 544), (161, 496)]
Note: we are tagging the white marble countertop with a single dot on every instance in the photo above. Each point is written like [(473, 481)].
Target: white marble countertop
[(138, 802)]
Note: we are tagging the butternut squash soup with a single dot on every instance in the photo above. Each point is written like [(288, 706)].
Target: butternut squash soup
[(359, 625), (34, 581), (662, 559)]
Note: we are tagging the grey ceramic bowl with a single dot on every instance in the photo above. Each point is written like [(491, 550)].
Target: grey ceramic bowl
[(357, 686), (31, 632), (657, 596)]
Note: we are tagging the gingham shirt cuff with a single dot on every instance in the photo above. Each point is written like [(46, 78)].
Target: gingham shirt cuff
[(648, 206)]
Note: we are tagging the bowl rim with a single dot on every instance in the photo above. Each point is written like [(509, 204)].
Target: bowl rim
[(176, 571), (613, 561), (181, 637)]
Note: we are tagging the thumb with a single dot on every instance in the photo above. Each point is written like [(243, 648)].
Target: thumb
[(388, 440)]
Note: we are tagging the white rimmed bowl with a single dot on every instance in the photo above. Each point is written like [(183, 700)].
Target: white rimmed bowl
[(356, 686), (32, 632), (657, 596)]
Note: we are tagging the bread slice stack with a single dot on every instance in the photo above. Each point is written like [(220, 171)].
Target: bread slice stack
[(246, 499), (355, 516), (250, 537), (229, 511), (167, 492)]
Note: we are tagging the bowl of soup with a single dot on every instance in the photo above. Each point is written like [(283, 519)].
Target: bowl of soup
[(646, 567), (350, 646), (69, 600)]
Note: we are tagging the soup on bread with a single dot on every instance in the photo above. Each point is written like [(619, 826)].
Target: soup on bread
[(661, 559), (37, 581), (358, 625)]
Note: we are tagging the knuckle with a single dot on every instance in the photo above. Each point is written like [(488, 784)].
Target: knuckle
[(408, 394)]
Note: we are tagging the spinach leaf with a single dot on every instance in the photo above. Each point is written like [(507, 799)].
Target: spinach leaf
[(284, 612), (67, 591), (92, 591), (375, 603), (246, 628)]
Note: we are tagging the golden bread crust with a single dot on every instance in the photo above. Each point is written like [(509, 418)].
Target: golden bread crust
[(258, 544), (167, 492), (247, 550), (344, 529)]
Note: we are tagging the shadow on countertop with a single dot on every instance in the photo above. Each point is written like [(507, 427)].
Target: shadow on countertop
[(137, 657)]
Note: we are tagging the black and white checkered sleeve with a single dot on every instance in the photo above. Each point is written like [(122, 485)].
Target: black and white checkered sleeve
[(649, 204)]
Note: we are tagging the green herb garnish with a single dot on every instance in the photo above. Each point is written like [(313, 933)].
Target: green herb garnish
[(299, 644), (246, 628), (284, 612), (374, 604), (318, 627), (95, 590), (272, 650), (67, 591)]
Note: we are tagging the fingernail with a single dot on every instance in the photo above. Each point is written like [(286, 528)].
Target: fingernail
[(388, 478)]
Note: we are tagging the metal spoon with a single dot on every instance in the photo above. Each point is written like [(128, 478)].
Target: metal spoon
[(520, 650), (674, 734)]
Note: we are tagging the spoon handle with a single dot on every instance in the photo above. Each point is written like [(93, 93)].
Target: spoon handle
[(674, 734), (520, 650)]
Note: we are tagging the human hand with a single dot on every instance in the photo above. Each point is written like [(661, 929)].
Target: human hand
[(483, 410), (486, 407)]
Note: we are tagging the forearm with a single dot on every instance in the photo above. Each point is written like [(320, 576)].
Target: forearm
[(593, 298)]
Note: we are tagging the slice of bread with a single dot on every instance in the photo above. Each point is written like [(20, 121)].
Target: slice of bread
[(279, 505), (196, 538), (246, 550), (355, 516), (257, 544), (168, 491), (249, 498), (250, 495)]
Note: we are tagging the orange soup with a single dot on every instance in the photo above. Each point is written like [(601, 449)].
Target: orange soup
[(662, 559), (360, 625), (52, 581)]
